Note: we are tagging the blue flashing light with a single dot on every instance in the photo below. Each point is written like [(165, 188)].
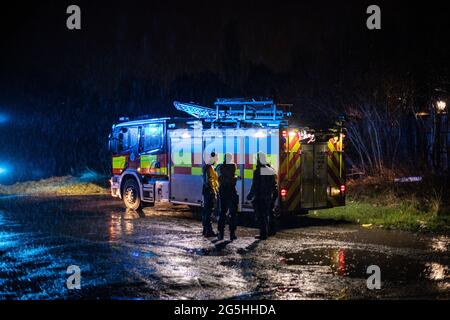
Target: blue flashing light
[(4, 170), (3, 118)]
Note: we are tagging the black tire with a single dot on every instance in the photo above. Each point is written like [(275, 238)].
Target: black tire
[(131, 195)]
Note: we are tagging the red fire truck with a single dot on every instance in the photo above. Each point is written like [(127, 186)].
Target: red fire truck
[(161, 159)]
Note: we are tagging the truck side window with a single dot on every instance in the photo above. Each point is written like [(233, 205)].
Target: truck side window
[(153, 137), (122, 139), (127, 139)]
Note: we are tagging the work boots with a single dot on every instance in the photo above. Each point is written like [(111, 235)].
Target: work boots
[(208, 233)]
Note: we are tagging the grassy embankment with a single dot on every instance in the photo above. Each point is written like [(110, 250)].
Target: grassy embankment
[(88, 183), (379, 202)]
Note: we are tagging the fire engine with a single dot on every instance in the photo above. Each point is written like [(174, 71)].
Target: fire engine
[(161, 159)]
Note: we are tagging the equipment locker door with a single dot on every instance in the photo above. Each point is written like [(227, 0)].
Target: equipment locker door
[(321, 175), (185, 168), (314, 176)]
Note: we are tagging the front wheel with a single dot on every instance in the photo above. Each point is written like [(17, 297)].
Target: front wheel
[(131, 195)]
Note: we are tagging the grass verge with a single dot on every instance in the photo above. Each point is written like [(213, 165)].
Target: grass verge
[(380, 201), (67, 185), (399, 216)]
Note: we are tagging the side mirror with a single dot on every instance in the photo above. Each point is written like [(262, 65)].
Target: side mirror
[(110, 147), (112, 143)]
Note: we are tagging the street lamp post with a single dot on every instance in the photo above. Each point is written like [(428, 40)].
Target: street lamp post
[(440, 110)]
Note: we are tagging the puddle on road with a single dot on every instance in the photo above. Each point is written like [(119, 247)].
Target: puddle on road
[(354, 262)]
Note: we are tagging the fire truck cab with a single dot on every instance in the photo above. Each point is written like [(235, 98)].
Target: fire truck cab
[(155, 160)]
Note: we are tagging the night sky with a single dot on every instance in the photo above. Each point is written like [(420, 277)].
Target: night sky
[(61, 90)]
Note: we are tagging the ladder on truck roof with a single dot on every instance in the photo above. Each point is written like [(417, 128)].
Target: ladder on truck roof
[(237, 110), (194, 110)]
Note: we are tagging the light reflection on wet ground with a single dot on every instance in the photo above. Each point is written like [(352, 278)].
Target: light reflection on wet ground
[(159, 254), (354, 263)]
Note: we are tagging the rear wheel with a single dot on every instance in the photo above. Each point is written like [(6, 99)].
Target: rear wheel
[(131, 195)]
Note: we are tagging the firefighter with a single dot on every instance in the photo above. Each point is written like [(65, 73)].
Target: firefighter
[(228, 197), (210, 190), (263, 194)]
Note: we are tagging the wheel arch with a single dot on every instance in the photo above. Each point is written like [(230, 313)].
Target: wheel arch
[(130, 175)]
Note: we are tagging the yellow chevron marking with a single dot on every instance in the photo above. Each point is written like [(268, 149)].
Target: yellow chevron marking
[(295, 203), (283, 165), (334, 169), (296, 147), (331, 146), (294, 188)]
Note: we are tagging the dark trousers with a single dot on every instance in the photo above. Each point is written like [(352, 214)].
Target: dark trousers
[(228, 200), (210, 202), (264, 213)]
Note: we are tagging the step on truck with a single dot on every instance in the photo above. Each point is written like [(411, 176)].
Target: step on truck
[(161, 159)]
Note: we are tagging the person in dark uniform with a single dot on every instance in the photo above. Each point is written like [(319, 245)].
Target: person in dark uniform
[(228, 197), (210, 190), (263, 194)]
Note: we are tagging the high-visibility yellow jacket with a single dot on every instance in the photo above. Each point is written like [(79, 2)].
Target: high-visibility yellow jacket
[(210, 179)]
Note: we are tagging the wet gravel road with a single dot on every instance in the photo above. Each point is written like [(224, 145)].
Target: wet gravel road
[(160, 254)]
